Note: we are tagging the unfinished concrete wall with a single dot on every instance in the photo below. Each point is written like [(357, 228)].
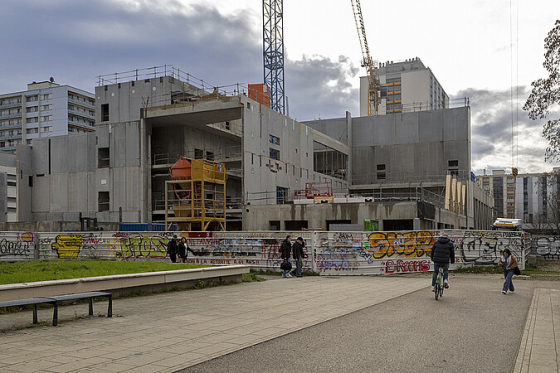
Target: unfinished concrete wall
[(293, 169)]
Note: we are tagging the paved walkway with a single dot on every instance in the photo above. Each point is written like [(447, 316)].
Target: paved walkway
[(167, 332), (539, 351), (172, 331)]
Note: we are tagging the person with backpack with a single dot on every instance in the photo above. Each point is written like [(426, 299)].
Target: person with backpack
[(297, 250), (285, 252), (442, 251)]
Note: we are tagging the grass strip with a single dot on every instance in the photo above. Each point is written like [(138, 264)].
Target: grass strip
[(45, 270)]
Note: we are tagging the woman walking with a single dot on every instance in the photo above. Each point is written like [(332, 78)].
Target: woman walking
[(183, 250), (508, 264)]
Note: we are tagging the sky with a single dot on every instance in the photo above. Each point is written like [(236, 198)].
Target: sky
[(489, 51)]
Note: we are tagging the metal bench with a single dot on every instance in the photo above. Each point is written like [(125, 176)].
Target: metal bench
[(61, 298), (31, 301), (89, 295)]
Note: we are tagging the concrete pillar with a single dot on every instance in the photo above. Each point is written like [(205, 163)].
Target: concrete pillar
[(350, 147)]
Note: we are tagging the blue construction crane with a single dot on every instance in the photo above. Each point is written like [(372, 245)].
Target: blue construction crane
[(273, 52)]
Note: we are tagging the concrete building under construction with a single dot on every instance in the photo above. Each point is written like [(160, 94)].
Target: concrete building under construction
[(280, 174)]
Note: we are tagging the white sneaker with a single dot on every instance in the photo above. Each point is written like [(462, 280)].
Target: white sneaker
[(512, 291), (433, 288), (288, 275), (446, 284), (504, 292)]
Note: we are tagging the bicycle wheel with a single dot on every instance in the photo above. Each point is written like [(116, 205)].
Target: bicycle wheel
[(441, 291), (438, 286)]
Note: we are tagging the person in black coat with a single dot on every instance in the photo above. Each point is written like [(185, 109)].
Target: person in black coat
[(172, 249), (285, 252), (183, 250), (442, 252), (297, 250)]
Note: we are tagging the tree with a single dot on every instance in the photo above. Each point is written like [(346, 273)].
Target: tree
[(546, 93)]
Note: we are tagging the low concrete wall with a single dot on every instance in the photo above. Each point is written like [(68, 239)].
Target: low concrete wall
[(123, 284)]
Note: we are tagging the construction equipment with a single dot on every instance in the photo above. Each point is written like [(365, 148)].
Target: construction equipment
[(197, 193), (367, 62)]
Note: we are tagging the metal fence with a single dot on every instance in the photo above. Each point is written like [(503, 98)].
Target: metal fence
[(328, 253)]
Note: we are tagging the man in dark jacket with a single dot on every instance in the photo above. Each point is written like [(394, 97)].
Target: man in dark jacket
[(297, 249), (442, 251), (172, 249), (285, 251)]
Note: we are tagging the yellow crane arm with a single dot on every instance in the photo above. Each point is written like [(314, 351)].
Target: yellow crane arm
[(367, 62)]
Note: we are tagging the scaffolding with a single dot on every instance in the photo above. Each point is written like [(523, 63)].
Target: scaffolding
[(197, 195)]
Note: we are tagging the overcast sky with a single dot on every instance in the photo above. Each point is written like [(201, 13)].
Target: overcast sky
[(478, 49)]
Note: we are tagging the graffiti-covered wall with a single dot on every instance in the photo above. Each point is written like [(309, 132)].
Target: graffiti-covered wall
[(329, 253), (405, 252), (547, 247)]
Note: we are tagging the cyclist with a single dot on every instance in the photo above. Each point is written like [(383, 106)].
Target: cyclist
[(442, 251)]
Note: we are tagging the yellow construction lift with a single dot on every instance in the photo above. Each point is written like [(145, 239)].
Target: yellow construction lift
[(197, 194)]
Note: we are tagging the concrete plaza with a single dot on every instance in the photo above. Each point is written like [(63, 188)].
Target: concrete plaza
[(316, 323)]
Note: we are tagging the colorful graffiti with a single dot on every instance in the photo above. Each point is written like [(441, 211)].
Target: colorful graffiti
[(325, 252), (67, 246)]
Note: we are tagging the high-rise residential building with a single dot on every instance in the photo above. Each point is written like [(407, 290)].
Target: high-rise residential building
[(46, 109), (537, 197), (406, 86), (502, 187)]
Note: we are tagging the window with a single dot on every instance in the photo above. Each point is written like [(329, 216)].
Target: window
[(198, 153), (274, 154), (32, 130), (46, 107), (48, 96), (210, 155), (46, 129), (281, 195), (32, 98), (227, 124), (103, 201), (103, 158), (32, 109), (32, 120), (274, 140), (453, 163), (381, 176), (104, 112), (380, 167), (46, 118)]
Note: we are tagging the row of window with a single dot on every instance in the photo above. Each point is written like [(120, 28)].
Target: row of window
[(34, 98), (10, 100), (30, 131), (10, 122), (43, 118)]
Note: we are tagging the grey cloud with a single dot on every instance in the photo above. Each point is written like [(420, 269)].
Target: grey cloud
[(320, 87)]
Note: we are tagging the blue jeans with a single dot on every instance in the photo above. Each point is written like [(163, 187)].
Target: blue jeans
[(436, 271), (508, 284), (285, 272)]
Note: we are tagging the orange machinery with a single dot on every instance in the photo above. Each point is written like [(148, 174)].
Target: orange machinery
[(197, 192)]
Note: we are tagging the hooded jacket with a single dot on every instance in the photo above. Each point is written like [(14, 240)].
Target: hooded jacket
[(442, 251)]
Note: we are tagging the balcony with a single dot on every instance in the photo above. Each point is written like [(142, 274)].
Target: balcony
[(17, 104), (81, 125), (18, 115), (84, 104), (91, 117), (12, 137)]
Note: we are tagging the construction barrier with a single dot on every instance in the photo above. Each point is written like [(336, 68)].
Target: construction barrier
[(327, 253)]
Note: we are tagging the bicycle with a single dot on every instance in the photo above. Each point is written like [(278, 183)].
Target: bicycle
[(439, 284)]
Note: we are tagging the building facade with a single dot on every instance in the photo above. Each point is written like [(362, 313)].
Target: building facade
[(46, 109), (538, 199), (406, 86), (395, 175), (502, 186)]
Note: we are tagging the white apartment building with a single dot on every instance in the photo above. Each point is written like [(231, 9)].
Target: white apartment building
[(502, 186), (8, 187), (46, 109), (406, 86), (537, 196)]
